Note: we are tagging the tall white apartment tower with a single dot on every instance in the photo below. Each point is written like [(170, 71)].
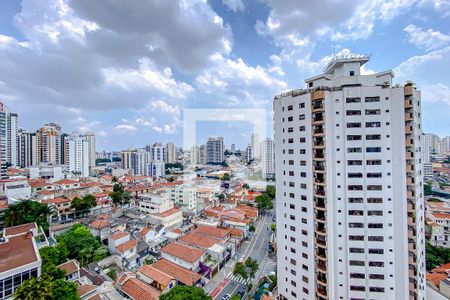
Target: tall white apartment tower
[(79, 155), (350, 207), (255, 144), (267, 158), (214, 150), (90, 137), (171, 153)]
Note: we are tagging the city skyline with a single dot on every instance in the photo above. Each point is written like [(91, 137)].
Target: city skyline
[(134, 84)]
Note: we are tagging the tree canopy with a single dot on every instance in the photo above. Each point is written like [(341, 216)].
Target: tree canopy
[(226, 177), (240, 270), (119, 196), (82, 245), (45, 288), (182, 292), (27, 211), (436, 256), (83, 205)]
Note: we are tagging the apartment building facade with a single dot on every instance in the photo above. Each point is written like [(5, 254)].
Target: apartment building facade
[(350, 214)]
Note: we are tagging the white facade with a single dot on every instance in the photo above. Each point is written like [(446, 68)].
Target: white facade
[(184, 196), (154, 203), (156, 169), (214, 150), (255, 146), (157, 152), (171, 153), (350, 218), (249, 153), (267, 158), (78, 155), (90, 137), (195, 155), (48, 139)]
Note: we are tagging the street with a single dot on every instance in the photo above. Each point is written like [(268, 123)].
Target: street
[(257, 249)]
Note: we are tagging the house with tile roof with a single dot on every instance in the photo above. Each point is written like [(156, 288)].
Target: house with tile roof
[(183, 255), (116, 239), (163, 282), (133, 288), (182, 275), (72, 269)]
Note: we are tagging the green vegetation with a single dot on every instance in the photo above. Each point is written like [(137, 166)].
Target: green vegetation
[(246, 186), (226, 177), (247, 269), (251, 228), (102, 161), (112, 274), (427, 188), (51, 257), (265, 200), (182, 292), (273, 227), (436, 256), (83, 205), (116, 159), (27, 211), (82, 245), (273, 278), (221, 197), (235, 297), (119, 196), (45, 288), (174, 166)]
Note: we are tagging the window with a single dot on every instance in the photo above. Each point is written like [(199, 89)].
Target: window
[(373, 124), (371, 112), (290, 119), (355, 187), (355, 200), (357, 275), (354, 125), (355, 225), (376, 251), (353, 113), (355, 213), (372, 99), (374, 175), (302, 128), (353, 137), (375, 213), (290, 151), (356, 263), (354, 150), (373, 149), (355, 175), (376, 238), (356, 238), (376, 264), (354, 162), (376, 276), (352, 73), (356, 250), (289, 107), (291, 129), (301, 117), (301, 105), (353, 100), (374, 200), (310, 84), (373, 162), (374, 187), (290, 141), (372, 137), (357, 288)]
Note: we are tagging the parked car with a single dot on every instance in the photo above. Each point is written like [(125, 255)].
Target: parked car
[(226, 297)]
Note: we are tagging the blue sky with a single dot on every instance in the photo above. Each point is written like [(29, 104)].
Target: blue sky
[(127, 69)]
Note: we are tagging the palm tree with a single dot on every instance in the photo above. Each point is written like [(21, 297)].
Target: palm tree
[(35, 289)]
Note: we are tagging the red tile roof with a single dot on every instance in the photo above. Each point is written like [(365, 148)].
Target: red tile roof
[(127, 245), (99, 224), (85, 289), (66, 182), (441, 216), (436, 278), (143, 232), (118, 235), (139, 290), (58, 200), (181, 274), (184, 252), (442, 269), (156, 275), (19, 229), (199, 241), (211, 231), (168, 212), (70, 267), (38, 184)]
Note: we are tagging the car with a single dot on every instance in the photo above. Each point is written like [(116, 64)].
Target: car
[(273, 219), (226, 297), (241, 293)]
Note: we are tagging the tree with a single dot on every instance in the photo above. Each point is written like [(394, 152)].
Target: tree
[(251, 266), (226, 177), (270, 190), (428, 189), (182, 292), (83, 205), (436, 256), (263, 202), (45, 288), (35, 289), (27, 211), (273, 227), (245, 186), (240, 270), (221, 197), (119, 196), (235, 297)]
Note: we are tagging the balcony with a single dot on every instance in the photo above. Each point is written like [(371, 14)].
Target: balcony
[(409, 168), (411, 207), (319, 144), (408, 103), (319, 181), (409, 116), (410, 181), (322, 266), (411, 221), (319, 203), (321, 240), (316, 95), (409, 130), (412, 247), (318, 131), (319, 193), (409, 155), (319, 156), (317, 106), (319, 168), (408, 89)]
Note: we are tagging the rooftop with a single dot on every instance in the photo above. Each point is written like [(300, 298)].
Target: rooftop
[(127, 245), (181, 274), (17, 251), (199, 241), (184, 252), (99, 224), (139, 290), (339, 60), (211, 231), (70, 267), (168, 212), (19, 229), (156, 275), (118, 235)]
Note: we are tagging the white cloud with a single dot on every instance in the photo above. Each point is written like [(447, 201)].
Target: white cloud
[(126, 127), (429, 39), (419, 66), (234, 5), (149, 78), (161, 105), (436, 93)]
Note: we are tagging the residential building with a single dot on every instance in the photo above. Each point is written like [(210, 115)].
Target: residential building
[(20, 259), (156, 169), (214, 150), (171, 153), (48, 140), (255, 146), (154, 202), (158, 279), (133, 288), (26, 149), (183, 255), (195, 155), (8, 136), (90, 137), (157, 152), (249, 153), (184, 196), (78, 155), (350, 217), (203, 155), (135, 160), (182, 275), (72, 269), (267, 158)]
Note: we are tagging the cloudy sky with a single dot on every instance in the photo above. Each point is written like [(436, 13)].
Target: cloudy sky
[(127, 69)]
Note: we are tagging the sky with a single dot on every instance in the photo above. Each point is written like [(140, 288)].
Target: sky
[(126, 70)]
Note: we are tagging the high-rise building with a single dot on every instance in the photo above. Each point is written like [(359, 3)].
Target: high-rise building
[(156, 169), (195, 155), (8, 139), (255, 145), (350, 212), (249, 153), (26, 149), (12, 139), (233, 148), (90, 137), (157, 152), (78, 154), (135, 160), (426, 148), (267, 158), (171, 153), (48, 140), (203, 154), (214, 150)]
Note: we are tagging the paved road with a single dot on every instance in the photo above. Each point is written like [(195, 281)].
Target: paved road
[(256, 249)]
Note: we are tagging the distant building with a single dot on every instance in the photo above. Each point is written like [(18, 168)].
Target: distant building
[(48, 139), (255, 145), (249, 153), (8, 134), (214, 150), (79, 155), (156, 169), (90, 137), (171, 153), (267, 158)]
